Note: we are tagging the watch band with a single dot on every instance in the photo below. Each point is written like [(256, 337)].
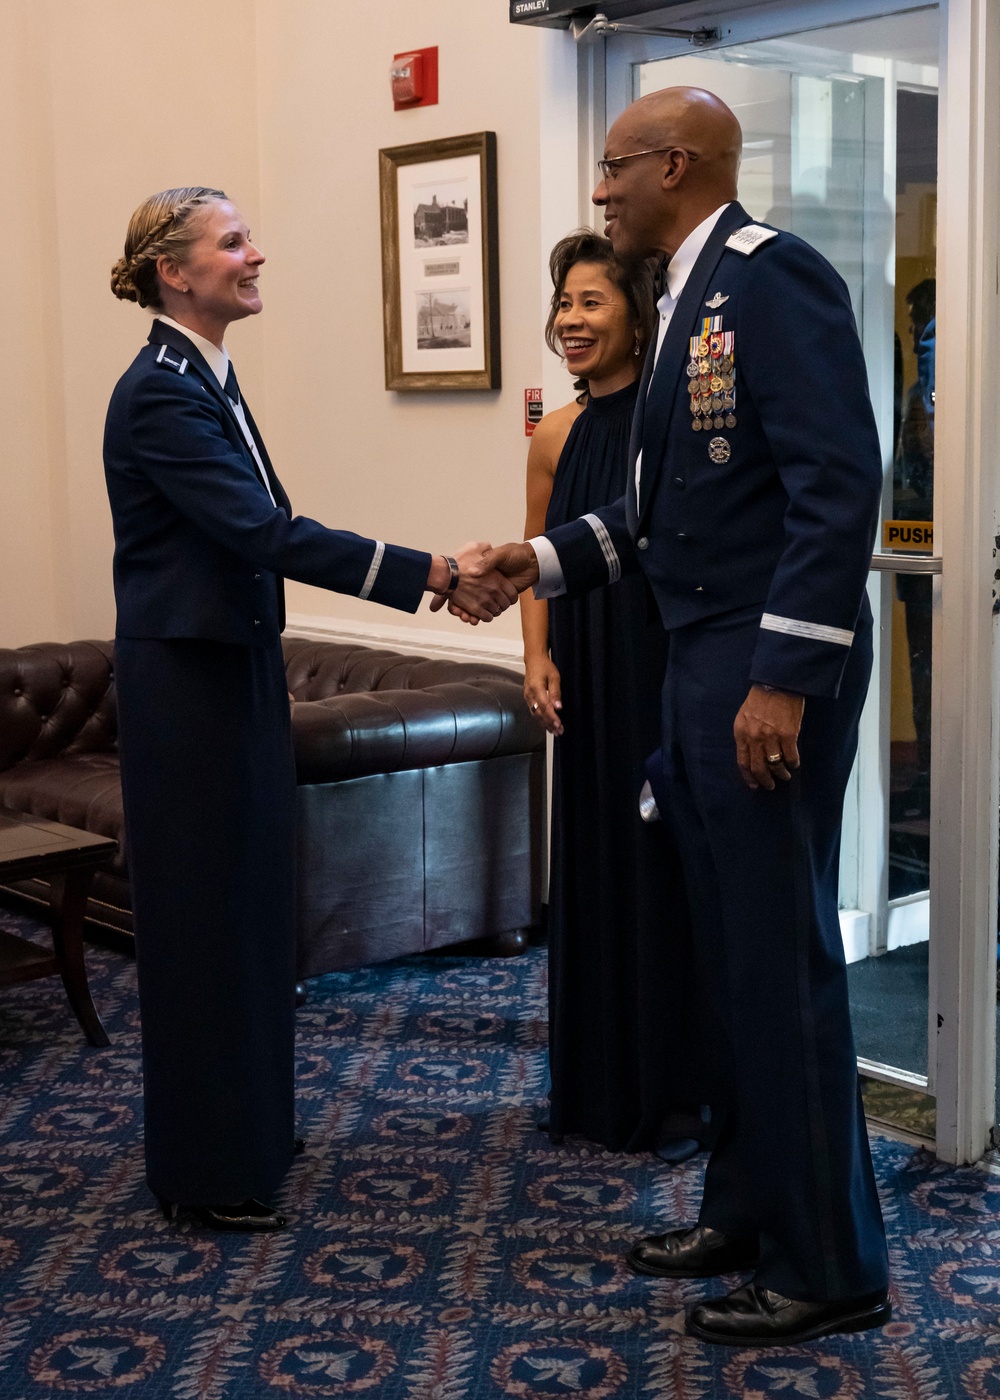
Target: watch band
[(453, 566)]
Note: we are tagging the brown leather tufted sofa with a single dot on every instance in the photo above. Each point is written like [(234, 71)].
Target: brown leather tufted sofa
[(420, 792)]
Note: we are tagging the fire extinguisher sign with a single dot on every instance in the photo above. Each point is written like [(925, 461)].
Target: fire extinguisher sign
[(532, 410)]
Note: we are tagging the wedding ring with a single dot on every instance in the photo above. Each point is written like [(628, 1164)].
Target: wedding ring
[(535, 705), (775, 758)]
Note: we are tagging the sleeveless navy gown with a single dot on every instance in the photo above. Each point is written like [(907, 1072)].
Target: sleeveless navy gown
[(618, 926)]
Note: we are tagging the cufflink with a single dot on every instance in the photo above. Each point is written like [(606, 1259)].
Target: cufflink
[(648, 809)]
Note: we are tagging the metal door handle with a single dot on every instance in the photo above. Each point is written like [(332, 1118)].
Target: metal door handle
[(907, 563)]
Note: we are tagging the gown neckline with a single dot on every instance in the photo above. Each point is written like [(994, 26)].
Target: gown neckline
[(610, 403)]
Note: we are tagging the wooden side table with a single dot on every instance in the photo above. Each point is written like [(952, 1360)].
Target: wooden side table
[(67, 858)]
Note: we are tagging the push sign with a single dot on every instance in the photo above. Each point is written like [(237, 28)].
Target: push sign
[(916, 535), (532, 410)]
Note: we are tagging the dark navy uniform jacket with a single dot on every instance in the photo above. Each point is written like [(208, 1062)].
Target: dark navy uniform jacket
[(785, 516), (200, 550)]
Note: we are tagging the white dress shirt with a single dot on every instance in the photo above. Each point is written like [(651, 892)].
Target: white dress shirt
[(218, 363), (550, 575)]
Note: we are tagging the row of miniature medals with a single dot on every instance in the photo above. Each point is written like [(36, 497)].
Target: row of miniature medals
[(712, 372)]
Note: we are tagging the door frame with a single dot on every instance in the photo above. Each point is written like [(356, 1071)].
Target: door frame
[(580, 87), (966, 702)]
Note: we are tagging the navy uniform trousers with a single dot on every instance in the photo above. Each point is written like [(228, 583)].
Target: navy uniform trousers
[(208, 782), (792, 1165)]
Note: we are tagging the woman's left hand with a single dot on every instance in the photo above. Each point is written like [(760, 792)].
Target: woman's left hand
[(543, 693)]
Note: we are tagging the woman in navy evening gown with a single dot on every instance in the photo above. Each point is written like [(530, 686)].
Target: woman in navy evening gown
[(593, 671), (204, 534)]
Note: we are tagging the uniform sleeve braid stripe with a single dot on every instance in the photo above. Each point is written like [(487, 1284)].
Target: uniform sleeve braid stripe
[(607, 547), (813, 631), (372, 574)]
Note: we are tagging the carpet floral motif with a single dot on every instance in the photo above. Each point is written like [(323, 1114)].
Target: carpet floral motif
[(441, 1248)]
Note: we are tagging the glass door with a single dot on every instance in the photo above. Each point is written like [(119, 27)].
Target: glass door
[(840, 147)]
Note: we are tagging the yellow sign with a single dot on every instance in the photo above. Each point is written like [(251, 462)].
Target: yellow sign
[(908, 534)]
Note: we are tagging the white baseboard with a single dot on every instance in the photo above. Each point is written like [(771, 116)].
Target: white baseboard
[(452, 645), (855, 925), (909, 921)]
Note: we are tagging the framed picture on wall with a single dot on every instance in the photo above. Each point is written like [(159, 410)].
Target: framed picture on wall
[(440, 279)]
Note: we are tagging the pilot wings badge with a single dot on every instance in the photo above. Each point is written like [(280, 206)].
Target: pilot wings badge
[(716, 301)]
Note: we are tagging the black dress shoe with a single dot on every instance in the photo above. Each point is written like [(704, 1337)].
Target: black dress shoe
[(250, 1217), (700, 1252), (756, 1317), (675, 1150)]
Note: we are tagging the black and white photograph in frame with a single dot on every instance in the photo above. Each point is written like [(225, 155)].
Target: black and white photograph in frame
[(441, 214), (440, 281), (444, 320)]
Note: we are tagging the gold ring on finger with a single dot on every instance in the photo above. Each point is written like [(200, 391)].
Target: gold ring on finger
[(775, 758)]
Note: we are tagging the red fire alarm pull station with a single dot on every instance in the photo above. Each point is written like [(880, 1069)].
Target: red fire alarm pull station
[(532, 410), (414, 77)]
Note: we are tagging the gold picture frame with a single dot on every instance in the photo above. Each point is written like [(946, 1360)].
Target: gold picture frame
[(440, 272)]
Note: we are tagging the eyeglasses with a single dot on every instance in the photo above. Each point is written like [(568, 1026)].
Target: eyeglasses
[(609, 168)]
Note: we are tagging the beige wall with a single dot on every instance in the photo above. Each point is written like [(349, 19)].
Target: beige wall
[(29, 407), (284, 103), (426, 470)]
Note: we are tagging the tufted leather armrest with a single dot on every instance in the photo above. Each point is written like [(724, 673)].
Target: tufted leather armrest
[(56, 698), (319, 670), (361, 710), (351, 736)]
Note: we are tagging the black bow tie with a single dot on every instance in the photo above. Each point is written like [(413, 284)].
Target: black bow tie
[(232, 387), (660, 278)]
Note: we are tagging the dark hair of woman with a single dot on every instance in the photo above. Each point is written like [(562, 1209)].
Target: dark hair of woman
[(633, 279)]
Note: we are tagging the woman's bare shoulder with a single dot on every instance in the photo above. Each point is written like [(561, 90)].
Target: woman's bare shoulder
[(552, 431)]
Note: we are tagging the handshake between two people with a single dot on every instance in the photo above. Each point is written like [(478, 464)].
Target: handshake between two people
[(489, 580)]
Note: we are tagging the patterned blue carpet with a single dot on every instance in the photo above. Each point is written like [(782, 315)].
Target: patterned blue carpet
[(441, 1249)]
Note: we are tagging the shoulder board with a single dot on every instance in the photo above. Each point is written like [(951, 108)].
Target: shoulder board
[(748, 239), (173, 359)]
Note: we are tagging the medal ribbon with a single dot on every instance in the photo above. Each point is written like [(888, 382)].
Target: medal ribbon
[(708, 350), (729, 345)]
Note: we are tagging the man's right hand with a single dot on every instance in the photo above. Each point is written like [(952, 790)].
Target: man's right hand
[(481, 594), (513, 567), (514, 564), (518, 562)]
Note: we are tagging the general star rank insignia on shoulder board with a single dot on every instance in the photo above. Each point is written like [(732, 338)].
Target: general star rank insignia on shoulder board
[(748, 239)]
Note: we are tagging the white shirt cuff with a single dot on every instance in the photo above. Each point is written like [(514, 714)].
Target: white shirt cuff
[(551, 583)]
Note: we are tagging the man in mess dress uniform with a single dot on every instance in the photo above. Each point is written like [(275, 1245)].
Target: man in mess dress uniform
[(752, 512)]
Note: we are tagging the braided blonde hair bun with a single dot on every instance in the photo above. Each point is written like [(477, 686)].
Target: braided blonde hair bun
[(161, 226)]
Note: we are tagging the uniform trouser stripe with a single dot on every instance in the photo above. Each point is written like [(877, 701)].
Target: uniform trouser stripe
[(372, 574), (607, 547), (820, 1155)]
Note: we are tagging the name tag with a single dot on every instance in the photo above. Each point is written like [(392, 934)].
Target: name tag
[(748, 240)]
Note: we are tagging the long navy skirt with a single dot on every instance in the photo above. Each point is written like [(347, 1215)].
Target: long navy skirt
[(208, 782)]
